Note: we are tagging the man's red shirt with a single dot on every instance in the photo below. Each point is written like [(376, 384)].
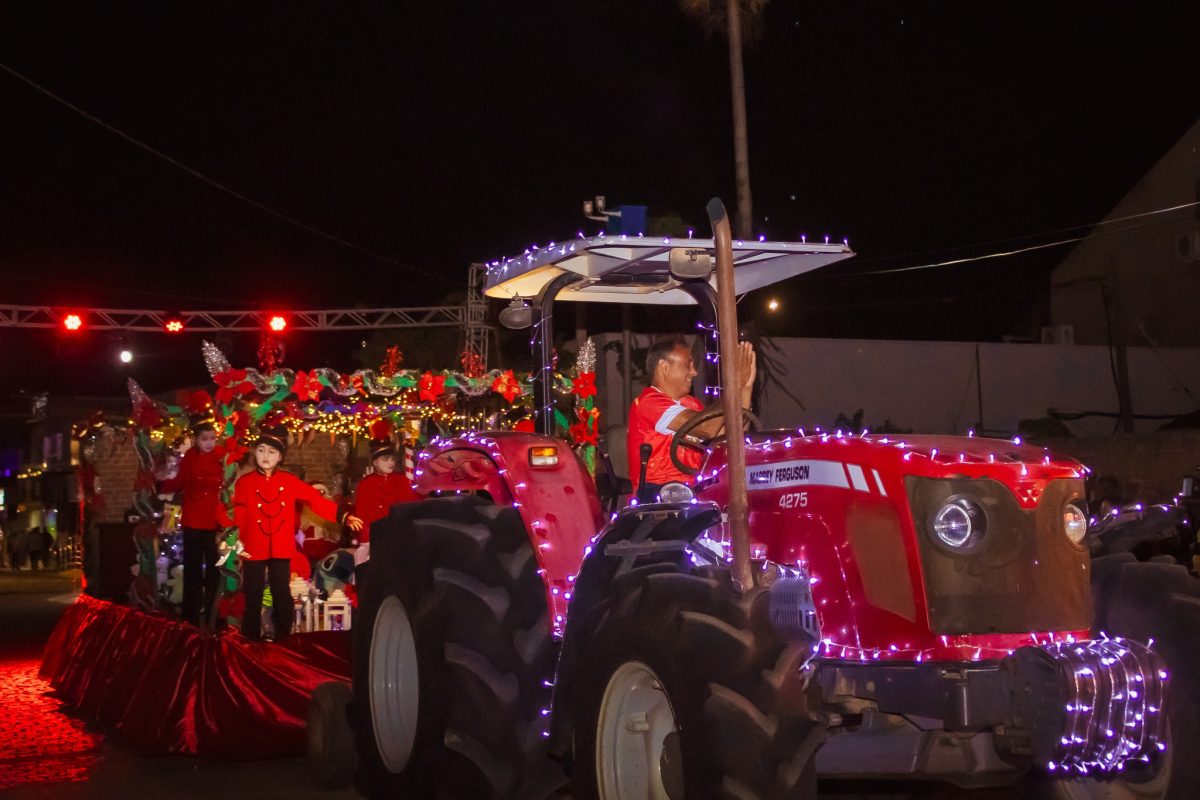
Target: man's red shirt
[(200, 478), (649, 418), (375, 496), (265, 511)]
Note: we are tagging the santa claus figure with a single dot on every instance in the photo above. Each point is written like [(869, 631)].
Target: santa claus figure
[(265, 510), (377, 492)]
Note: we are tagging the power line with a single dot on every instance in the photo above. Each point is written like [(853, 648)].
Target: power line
[(200, 176), (1043, 246)]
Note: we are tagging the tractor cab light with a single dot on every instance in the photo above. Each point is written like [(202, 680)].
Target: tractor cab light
[(543, 456)]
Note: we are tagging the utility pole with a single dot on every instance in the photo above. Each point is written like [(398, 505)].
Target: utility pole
[(741, 153)]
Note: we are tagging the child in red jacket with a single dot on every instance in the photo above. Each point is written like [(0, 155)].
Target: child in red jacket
[(200, 478), (376, 494), (264, 508)]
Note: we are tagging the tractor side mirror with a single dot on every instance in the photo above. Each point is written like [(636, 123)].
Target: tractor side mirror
[(690, 263)]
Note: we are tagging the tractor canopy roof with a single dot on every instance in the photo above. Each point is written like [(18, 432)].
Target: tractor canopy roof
[(634, 269)]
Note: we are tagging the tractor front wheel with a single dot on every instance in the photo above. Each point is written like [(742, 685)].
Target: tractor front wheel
[(686, 691)]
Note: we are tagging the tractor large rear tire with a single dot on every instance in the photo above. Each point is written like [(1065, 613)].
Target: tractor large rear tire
[(685, 690), (453, 657), (1144, 601)]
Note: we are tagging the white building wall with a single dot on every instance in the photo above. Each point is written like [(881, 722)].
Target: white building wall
[(932, 387)]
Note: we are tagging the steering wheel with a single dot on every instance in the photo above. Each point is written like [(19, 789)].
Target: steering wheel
[(685, 438)]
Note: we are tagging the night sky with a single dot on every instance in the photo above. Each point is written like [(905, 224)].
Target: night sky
[(436, 134)]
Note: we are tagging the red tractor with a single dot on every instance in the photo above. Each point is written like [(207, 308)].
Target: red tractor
[(826, 604)]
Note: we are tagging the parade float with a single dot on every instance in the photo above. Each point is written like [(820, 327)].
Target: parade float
[(120, 655)]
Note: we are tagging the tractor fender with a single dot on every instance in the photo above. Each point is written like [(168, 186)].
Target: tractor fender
[(637, 538)]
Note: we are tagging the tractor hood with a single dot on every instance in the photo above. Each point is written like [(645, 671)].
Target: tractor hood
[(634, 269)]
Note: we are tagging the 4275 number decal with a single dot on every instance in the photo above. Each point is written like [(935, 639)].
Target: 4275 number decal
[(793, 500)]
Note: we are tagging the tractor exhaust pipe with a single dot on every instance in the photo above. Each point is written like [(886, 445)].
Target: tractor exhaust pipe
[(727, 328)]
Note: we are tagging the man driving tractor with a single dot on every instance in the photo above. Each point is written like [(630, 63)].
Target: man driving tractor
[(666, 405)]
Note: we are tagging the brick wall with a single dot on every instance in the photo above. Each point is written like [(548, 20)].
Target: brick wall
[(315, 460), (116, 471), (318, 459)]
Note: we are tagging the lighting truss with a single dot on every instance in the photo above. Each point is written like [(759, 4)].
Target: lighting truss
[(339, 319)]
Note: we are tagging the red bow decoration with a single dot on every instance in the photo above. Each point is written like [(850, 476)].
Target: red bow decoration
[(431, 387), (507, 386), (585, 385), (357, 382)]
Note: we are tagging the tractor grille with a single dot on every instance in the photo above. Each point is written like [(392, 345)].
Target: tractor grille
[(1024, 576)]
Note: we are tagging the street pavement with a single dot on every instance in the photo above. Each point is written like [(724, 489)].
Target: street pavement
[(45, 753)]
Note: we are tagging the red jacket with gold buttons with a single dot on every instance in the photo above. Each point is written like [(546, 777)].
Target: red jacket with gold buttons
[(200, 478), (375, 496), (265, 512)]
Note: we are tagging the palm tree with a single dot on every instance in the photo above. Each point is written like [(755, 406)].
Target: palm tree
[(740, 21)]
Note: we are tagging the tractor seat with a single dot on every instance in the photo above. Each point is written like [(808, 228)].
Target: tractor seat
[(612, 469)]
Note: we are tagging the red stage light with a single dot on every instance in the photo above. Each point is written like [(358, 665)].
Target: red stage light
[(277, 323), (174, 325), (72, 322)]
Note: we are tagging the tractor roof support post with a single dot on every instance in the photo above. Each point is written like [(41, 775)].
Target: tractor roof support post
[(543, 350), (706, 299), (731, 395)]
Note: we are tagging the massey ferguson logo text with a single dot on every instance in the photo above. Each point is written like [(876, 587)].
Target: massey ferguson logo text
[(797, 473), (778, 475)]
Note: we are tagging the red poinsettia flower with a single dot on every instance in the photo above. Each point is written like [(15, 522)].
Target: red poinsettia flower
[(507, 386), (306, 386), (582, 435), (232, 450), (431, 387), (585, 385), (229, 377), (147, 414)]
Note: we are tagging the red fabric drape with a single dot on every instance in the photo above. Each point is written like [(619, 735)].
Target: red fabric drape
[(165, 687)]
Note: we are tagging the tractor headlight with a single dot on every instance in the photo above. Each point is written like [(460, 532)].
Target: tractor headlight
[(959, 524), (1075, 523), (675, 493)]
